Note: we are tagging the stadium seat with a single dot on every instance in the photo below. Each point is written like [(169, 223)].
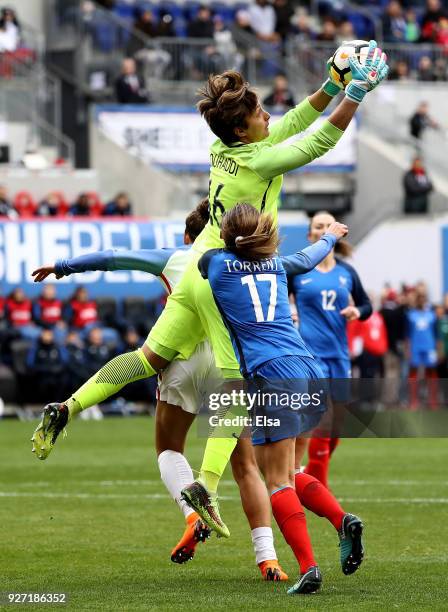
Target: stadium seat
[(107, 309), (139, 313), (19, 352), (25, 204), (8, 384)]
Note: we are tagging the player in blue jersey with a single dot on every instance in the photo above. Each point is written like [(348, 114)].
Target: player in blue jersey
[(275, 362), (181, 390), (326, 298), (421, 333)]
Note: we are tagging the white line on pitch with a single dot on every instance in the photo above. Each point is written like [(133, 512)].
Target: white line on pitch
[(359, 500)]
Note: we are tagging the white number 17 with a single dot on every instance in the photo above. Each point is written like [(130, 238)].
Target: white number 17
[(249, 280)]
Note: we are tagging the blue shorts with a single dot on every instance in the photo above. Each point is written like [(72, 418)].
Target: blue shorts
[(427, 359), (291, 398), (340, 369)]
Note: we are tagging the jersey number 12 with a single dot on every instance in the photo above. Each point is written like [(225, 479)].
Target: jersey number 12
[(249, 280), (328, 299)]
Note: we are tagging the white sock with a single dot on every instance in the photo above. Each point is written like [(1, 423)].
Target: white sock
[(263, 541), (176, 474)]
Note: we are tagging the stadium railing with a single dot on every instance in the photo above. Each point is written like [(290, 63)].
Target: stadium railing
[(33, 97), (101, 40), (310, 57)]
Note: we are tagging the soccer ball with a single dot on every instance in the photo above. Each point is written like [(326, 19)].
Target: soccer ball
[(338, 65)]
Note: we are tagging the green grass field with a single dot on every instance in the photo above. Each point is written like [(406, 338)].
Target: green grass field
[(94, 521)]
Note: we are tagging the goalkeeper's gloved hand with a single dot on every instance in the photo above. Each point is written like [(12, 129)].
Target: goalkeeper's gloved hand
[(330, 87), (366, 77)]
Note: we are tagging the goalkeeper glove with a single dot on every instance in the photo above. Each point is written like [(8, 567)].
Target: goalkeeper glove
[(367, 77)]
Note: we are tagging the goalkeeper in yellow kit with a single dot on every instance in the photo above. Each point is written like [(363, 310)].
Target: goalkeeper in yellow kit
[(247, 163)]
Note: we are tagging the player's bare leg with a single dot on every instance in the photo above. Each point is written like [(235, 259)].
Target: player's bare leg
[(255, 502)]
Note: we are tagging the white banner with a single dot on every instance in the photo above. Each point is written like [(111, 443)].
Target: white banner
[(181, 139)]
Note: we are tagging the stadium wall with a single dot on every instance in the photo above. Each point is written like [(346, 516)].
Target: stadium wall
[(406, 251), (151, 191)]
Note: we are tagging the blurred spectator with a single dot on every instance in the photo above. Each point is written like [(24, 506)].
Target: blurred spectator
[(393, 311), (371, 337), (441, 69), (46, 362), (82, 311), (421, 120), (96, 352), (345, 32), (301, 25), (422, 349), (205, 60), (434, 12), (202, 26), (263, 21), (425, 69), (81, 208), (6, 207), (120, 206), (19, 314), (412, 31), (394, 24), (154, 60), (129, 86), (417, 188), (328, 31), (9, 31), (283, 14), (399, 71), (106, 4), (47, 309), (77, 372), (442, 33), (442, 335), (226, 49), (243, 21), (48, 207), (280, 99)]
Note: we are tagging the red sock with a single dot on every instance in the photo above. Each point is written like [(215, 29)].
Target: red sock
[(290, 517), (317, 498), (318, 459), (413, 388), (334, 442)]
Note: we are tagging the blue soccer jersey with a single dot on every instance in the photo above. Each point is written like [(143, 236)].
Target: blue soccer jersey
[(252, 297), (320, 297), (422, 329)]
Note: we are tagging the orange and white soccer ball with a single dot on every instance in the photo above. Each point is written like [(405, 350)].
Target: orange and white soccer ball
[(338, 65)]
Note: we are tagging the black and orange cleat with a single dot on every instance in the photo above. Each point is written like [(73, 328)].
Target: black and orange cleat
[(271, 571), (195, 531)]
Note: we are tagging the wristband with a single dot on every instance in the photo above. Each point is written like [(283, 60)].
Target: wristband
[(330, 88)]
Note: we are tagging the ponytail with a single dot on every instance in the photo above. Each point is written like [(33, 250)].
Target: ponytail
[(248, 233)]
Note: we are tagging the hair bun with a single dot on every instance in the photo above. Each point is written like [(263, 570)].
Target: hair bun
[(238, 239)]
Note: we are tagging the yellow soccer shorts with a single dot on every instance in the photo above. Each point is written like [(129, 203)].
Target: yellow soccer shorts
[(190, 316)]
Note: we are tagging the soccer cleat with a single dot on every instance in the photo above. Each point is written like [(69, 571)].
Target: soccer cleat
[(195, 531), (54, 420), (350, 542), (206, 505), (272, 572), (309, 582)]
